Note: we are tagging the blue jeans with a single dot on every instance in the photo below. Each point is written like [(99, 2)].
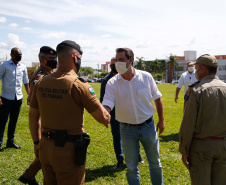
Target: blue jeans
[(11, 109), (147, 135), (115, 130)]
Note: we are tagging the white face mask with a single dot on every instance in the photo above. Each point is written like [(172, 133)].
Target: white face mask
[(191, 69), (121, 67)]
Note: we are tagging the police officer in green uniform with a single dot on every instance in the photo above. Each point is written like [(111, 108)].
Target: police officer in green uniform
[(60, 99), (203, 129), (47, 57)]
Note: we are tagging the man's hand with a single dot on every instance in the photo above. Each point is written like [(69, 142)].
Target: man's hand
[(160, 127), (36, 151), (176, 97), (185, 159), (1, 102)]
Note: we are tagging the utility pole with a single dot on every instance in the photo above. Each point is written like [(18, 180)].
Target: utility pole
[(98, 71)]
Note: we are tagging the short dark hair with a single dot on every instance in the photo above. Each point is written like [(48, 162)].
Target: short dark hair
[(129, 52), (210, 69)]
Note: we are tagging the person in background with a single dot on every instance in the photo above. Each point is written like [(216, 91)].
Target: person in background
[(186, 79), (47, 57), (12, 73)]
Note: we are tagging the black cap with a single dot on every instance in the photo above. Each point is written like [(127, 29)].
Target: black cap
[(47, 50), (71, 44)]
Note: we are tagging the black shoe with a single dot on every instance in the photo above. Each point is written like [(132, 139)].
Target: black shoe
[(140, 159), (13, 145), (119, 165), (28, 181)]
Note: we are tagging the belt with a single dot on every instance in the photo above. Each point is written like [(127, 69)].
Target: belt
[(68, 138), (211, 138), (144, 123)]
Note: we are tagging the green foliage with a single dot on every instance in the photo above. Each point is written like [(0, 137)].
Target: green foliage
[(158, 76), (103, 74), (139, 63), (86, 71), (101, 157)]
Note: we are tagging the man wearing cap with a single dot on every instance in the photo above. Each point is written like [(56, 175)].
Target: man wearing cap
[(186, 79), (12, 73), (47, 57), (203, 129), (131, 93), (59, 99)]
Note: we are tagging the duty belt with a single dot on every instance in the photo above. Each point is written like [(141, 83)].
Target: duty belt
[(144, 123), (211, 138), (68, 138)]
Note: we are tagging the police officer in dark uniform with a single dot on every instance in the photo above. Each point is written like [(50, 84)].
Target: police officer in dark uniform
[(47, 57), (60, 99)]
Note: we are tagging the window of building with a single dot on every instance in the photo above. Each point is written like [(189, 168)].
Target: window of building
[(181, 68), (222, 68)]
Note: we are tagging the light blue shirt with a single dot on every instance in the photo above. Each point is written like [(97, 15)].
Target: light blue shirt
[(12, 77)]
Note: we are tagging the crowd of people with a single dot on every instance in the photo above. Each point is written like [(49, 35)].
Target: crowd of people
[(57, 99)]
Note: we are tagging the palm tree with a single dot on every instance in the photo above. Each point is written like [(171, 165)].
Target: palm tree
[(139, 63), (173, 63)]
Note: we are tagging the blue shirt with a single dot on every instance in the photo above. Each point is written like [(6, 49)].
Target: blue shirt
[(12, 77)]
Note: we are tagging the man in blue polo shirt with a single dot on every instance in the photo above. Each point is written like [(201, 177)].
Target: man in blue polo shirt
[(12, 74)]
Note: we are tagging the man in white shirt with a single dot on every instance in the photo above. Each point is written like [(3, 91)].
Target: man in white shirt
[(131, 93), (186, 79)]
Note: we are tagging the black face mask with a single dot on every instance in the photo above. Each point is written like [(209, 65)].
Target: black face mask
[(52, 63), (18, 58), (113, 69), (77, 64)]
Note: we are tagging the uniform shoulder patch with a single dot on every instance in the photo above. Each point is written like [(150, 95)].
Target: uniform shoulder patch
[(192, 85), (91, 90), (35, 81), (186, 96)]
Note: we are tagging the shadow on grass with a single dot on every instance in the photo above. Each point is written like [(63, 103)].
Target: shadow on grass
[(107, 170), (171, 137)]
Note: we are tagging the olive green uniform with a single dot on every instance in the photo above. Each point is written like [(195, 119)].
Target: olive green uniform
[(203, 131), (61, 98)]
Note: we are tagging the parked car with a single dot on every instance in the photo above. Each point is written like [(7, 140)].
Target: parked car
[(174, 82), (90, 80)]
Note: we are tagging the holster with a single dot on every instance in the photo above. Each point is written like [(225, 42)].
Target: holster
[(81, 146)]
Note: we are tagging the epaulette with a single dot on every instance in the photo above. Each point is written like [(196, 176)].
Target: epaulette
[(192, 85), (83, 79)]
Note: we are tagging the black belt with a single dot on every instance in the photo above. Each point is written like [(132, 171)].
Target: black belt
[(68, 138), (144, 123)]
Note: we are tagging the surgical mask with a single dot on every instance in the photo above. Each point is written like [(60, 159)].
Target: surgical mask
[(121, 67), (18, 58), (77, 64), (52, 63), (191, 69)]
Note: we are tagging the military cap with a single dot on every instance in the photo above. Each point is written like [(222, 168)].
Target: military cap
[(47, 50), (71, 44), (207, 59)]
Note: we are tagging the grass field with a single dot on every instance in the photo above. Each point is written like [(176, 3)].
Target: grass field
[(101, 157)]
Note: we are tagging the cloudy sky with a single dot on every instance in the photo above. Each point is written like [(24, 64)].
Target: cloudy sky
[(152, 29)]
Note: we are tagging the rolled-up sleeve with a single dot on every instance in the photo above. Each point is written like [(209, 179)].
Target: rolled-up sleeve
[(2, 70), (180, 82), (155, 93)]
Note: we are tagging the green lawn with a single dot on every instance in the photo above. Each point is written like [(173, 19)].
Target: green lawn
[(101, 157)]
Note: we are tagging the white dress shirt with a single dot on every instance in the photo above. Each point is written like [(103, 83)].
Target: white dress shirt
[(132, 99), (186, 79)]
